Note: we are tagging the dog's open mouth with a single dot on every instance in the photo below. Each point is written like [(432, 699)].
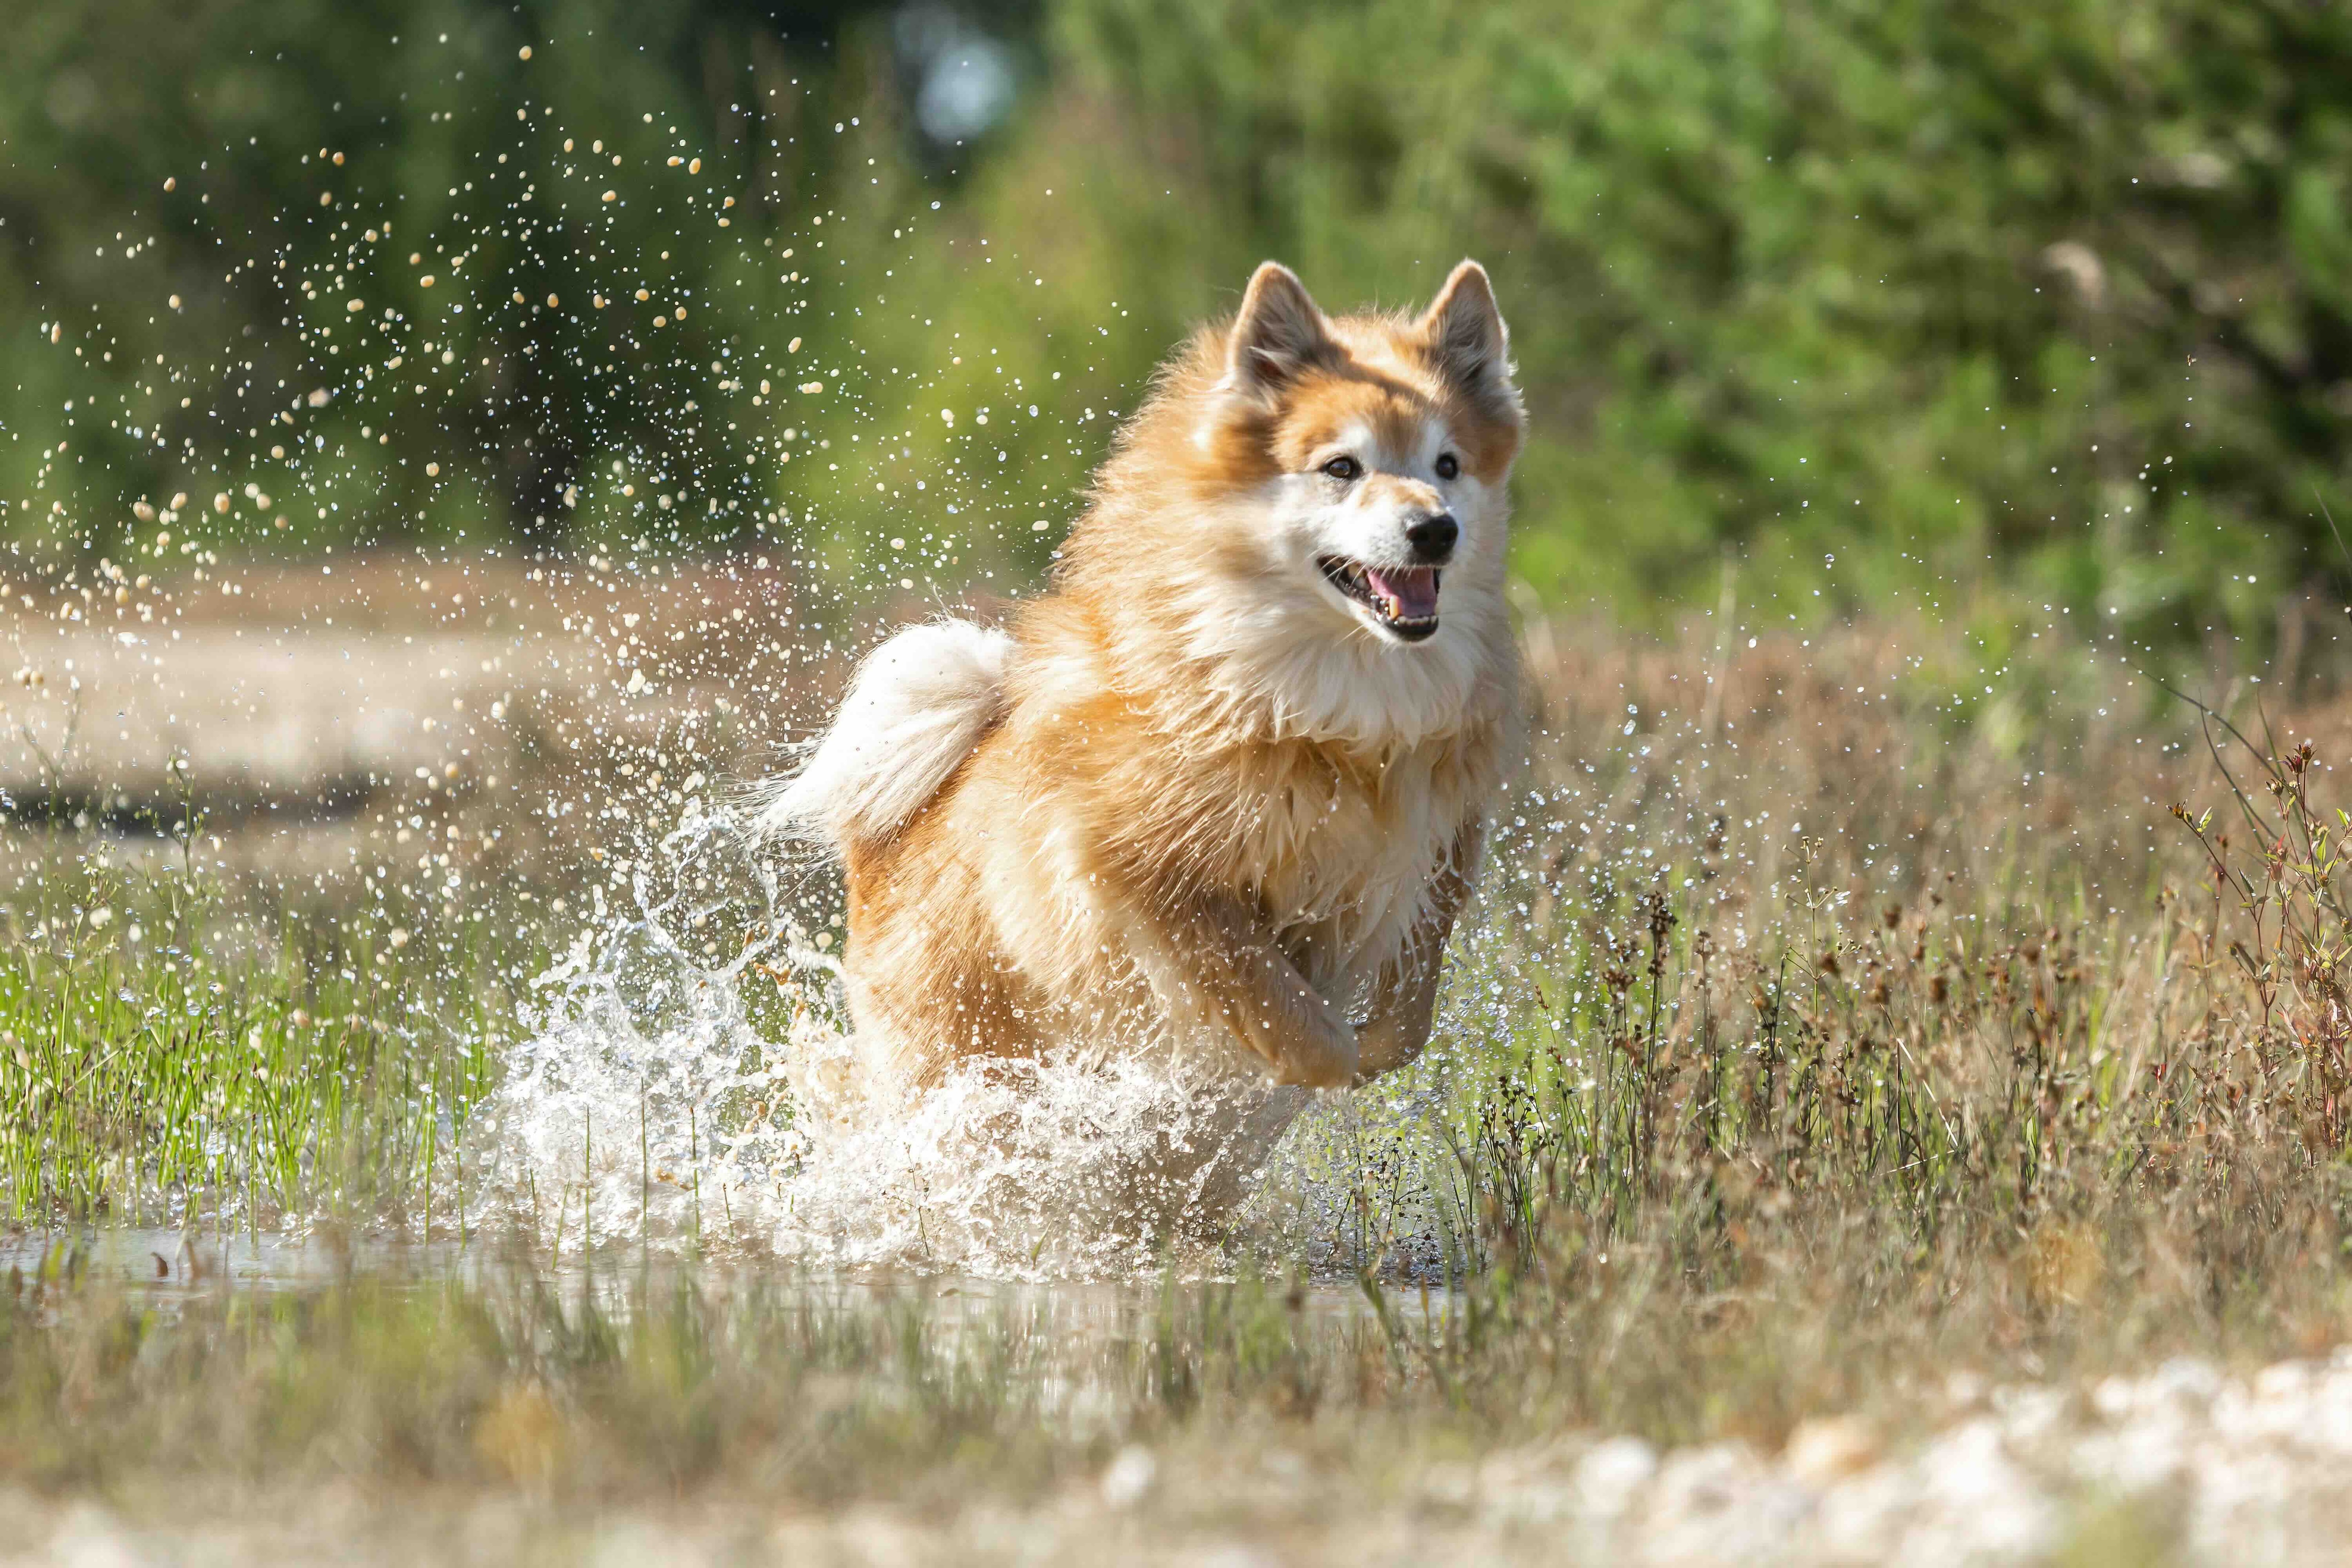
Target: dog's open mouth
[(1401, 599)]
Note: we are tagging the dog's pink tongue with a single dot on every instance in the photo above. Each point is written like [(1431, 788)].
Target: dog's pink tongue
[(1412, 589)]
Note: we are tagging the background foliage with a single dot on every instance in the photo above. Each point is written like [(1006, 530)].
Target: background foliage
[(1907, 297)]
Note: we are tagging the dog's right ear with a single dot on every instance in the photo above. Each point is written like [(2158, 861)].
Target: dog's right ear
[(1278, 332)]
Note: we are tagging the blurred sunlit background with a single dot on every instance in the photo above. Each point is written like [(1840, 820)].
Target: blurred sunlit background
[(1885, 299)]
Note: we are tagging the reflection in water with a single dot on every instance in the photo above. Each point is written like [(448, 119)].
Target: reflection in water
[(166, 1265)]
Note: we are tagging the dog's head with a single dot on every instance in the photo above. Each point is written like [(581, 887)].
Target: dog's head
[(1376, 448), (1325, 503)]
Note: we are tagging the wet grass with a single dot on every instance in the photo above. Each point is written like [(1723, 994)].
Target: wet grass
[(178, 1088), (180, 1046)]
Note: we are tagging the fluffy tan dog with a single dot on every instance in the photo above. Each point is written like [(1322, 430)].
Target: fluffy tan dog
[(1222, 789)]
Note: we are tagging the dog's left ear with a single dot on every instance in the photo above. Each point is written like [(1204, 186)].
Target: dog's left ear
[(1465, 338)]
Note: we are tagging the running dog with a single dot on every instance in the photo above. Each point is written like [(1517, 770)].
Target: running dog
[(1221, 788)]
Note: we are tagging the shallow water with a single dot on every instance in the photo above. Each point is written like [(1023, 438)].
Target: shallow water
[(169, 1262), (166, 1265)]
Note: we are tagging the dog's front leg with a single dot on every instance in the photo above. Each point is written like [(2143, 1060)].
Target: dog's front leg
[(1228, 973), (1404, 999)]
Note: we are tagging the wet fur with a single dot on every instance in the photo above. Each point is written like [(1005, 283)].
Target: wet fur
[(1195, 803)]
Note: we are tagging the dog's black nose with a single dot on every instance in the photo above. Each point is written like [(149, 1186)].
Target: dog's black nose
[(1433, 538)]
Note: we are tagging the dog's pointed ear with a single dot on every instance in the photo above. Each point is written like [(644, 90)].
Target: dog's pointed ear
[(1465, 336), (1278, 333)]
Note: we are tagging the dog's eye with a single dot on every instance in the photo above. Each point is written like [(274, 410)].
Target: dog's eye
[(1448, 465), (1343, 467)]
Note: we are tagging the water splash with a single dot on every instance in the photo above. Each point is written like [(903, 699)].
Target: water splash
[(648, 1102)]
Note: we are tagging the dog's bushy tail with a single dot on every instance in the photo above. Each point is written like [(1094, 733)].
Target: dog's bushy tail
[(915, 708)]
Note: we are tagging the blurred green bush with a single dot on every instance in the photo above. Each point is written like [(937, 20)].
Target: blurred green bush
[(1886, 298)]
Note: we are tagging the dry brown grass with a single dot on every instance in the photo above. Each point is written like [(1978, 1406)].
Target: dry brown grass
[(1866, 1012)]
